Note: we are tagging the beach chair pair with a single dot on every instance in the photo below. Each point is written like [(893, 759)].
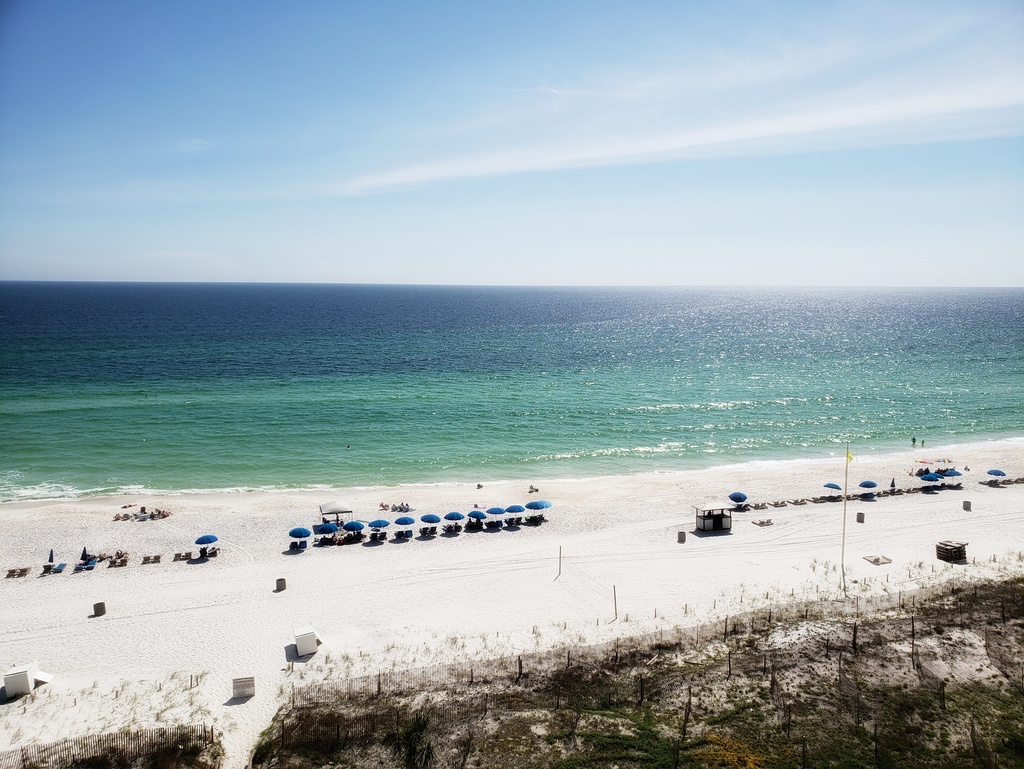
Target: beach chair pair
[(148, 559), (19, 572), (117, 562), (86, 566), (186, 556)]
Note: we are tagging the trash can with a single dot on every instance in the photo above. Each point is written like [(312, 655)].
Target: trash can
[(281, 584), (99, 609), (860, 517), (967, 506), (681, 536)]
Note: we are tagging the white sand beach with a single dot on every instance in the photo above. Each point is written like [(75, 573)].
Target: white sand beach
[(175, 634)]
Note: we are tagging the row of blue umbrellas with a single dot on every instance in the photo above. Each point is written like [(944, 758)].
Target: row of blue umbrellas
[(300, 532), (739, 497)]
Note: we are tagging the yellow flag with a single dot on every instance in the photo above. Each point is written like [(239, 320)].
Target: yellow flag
[(849, 456)]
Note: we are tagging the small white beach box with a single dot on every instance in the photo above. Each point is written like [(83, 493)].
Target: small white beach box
[(306, 640), (22, 679)]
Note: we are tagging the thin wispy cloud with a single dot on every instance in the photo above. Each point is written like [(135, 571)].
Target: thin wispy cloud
[(190, 146), (939, 83), (932, 116)]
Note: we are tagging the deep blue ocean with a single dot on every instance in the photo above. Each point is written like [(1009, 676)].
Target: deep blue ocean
[(118, 387)]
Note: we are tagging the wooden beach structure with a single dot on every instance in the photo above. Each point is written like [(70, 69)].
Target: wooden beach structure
[(714, 519), (951, 551)]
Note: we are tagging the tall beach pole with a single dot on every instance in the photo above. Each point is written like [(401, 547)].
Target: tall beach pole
[(846, 487)]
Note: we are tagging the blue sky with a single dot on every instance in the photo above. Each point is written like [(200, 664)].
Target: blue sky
[(552, 143)]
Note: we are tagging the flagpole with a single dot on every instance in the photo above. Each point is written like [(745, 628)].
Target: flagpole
[(846, 488)]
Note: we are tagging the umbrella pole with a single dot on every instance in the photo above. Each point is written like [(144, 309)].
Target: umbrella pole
[(846, 489)]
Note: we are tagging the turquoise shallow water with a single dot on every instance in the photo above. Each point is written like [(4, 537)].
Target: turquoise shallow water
[(127, 387)]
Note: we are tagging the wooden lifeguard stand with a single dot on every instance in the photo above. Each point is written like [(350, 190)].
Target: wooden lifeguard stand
[(714, 519)]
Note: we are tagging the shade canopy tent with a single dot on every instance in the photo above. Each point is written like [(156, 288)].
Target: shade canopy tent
[(335, 508), (306, 640)]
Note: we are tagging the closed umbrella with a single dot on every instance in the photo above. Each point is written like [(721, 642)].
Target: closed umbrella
[(51, 556), (85, 554), (206, 539)]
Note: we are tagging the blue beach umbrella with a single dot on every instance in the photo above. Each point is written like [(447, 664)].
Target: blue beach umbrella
[(835, 486), (328, 528), (515, 509), (380, 523), (352, 526), (867, 484), (537, 504), (453, 516), (206, 539), (738, 497), (998, 473), (430, 518), (477, 515), (405, 520), (495, 510), (952, 473), (931, 477), (299, 532)]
